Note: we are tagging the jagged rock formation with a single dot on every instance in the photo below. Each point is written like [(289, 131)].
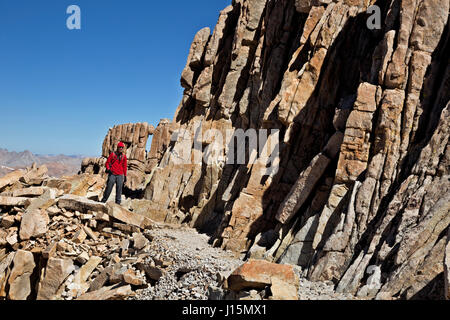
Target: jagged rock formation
[(363, 179)]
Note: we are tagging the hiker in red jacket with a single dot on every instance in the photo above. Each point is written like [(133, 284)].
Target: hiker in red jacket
[(116, 167)]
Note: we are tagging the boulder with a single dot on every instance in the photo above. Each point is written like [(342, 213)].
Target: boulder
[(5, 263), (44, 201), (56, 272), (139, 241), (80, 283), (147, 209), (101, 279), (282, 290), (34, 173), (130, 277), (50, 250), (11, 178), (7, 221), (81, 204), (79, 185), (19, 279), (29, 192), (13, 201), (79, 236), (126, 216), (34, 224), (108, 293), (153, 272), (3, 236), (257, 274)]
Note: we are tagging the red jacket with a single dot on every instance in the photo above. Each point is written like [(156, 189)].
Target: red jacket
[(118, 165)]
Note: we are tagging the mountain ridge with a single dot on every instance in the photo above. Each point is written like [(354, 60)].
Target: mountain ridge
[(58, 165)]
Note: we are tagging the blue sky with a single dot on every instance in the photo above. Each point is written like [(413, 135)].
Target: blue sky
[(61, 89)]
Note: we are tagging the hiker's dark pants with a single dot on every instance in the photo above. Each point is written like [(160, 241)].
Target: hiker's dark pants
[(113, 179)]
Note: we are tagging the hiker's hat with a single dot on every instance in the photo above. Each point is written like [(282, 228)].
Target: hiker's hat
[(121, 145)]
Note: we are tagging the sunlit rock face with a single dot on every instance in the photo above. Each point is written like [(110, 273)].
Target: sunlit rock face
[(361, 120)]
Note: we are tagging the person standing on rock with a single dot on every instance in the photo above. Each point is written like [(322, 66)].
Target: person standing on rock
[(116, 167)]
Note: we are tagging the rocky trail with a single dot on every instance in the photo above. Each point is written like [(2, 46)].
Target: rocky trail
[(193, 269), (196, 271), (57, 244)]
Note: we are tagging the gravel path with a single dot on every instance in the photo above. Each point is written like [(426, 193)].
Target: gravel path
[(320, 291), (193, 265)]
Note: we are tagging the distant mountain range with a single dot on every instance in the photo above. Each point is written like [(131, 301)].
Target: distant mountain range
[(58, 165)]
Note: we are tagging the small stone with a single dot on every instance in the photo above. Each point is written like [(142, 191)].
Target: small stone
[(86, 270), (7, 221), (90, 233), (67, 214), (115, 258), (79, 236), (102, 248), (117, 273), (53, 211), (83, 257), (86, 216), (152, 272), (18, 217), (140, 241), (70, 228), (125, 227), (101, 216), (12, 239), (101, 279), (124, 245), (130, 277), (62, 246), (50, 250)]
